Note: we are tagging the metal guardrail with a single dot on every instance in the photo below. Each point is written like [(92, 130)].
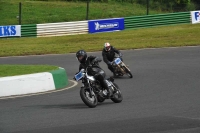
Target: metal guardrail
[(54, 29), (81, 27), (156, 20), (63, 28), (29, 30)]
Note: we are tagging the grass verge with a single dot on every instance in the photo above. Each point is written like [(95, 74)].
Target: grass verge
[(165, 36), (13, 70)]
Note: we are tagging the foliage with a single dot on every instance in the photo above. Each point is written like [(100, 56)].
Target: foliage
[(169, 5), (175, 5), (197, 4)]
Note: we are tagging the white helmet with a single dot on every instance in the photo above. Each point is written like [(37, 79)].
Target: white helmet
[(107, 46)]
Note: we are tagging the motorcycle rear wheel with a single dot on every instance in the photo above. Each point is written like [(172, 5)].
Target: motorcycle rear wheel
[(117, 96), (87, 99)]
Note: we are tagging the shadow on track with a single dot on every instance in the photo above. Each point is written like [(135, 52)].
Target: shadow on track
[(68, 106)]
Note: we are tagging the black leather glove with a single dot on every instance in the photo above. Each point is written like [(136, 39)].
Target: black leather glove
[(97, 59), (109, 63), (120, 55)]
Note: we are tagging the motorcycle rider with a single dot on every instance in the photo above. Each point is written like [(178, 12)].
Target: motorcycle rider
[(95, 70), (108, 54)]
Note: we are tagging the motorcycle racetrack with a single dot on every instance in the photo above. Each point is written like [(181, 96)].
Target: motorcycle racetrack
[(162, 97)]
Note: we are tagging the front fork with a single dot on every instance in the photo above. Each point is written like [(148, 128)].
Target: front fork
[(90, 88)]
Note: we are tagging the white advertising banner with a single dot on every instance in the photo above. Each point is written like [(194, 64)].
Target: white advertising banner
[(195, 16), (10, 30)]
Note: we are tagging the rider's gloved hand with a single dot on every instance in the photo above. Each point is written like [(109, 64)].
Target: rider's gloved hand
[(110, 63), (97, 59), (120, 55)]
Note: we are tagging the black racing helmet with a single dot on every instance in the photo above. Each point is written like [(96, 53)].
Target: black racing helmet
[(81, 56)]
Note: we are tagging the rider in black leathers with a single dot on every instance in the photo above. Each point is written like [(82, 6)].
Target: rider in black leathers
[(108, 54), (93, 70)]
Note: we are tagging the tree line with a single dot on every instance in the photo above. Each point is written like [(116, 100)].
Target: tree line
[(174, 5)]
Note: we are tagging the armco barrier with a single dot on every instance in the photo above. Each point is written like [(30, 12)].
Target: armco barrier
[(156, 20), (81, 27), (33, 83), (64, 28), (29, 30)]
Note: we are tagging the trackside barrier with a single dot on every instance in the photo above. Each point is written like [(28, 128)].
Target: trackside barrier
[(92, 26), (60, 29), (29, 30), (156, 20)]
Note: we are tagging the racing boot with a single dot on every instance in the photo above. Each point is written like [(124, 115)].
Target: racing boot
[(114, 75)]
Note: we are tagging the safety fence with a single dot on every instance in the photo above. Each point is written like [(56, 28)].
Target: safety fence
[(156, 20), (61, 29), (103, 25), (29, 30), (54, 29)]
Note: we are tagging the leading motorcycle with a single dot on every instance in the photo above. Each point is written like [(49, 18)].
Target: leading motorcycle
[(92, 91)]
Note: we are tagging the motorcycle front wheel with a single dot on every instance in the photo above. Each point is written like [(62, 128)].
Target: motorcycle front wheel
[(128, 72), (90, 101), (117, 96)]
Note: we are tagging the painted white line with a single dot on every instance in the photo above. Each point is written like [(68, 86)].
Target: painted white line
[(9, 97)]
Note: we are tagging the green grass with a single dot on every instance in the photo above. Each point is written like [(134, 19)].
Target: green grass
[(164, 36), (13, 70), (37, 12)]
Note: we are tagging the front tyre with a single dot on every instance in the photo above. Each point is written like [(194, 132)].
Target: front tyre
[(90, 101), (128, 72), (117, 96)]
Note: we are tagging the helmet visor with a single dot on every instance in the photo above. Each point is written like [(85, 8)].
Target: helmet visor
[(80, 57), (108, 48)]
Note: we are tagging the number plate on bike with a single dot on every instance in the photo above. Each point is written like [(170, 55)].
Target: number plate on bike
[(78, 76), (117, 61)]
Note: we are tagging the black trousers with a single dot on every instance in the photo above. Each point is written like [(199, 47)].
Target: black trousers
[(101, 78), (111, 68)]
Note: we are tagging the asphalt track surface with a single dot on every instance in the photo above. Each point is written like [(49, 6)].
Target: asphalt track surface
[(162, 97)]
